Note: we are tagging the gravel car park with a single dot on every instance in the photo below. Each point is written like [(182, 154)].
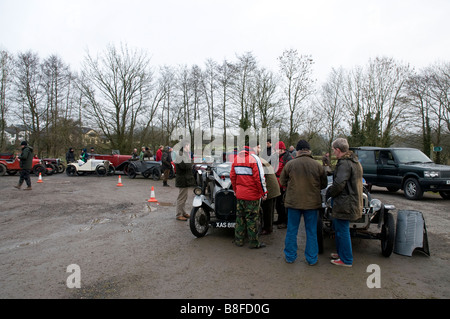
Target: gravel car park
[(127, 247)]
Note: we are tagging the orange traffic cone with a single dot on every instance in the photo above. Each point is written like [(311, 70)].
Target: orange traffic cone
[(152, 196), (40, 178), (120, 181)]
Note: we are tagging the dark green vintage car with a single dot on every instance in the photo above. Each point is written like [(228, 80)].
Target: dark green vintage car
[(404, 168)]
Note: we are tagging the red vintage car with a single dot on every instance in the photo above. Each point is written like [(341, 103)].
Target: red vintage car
[(11, 165)]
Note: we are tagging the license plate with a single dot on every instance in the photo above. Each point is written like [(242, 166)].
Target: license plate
[(225, 224), (367, 210)]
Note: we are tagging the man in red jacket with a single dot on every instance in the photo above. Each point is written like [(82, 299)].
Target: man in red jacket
[(249, 185)]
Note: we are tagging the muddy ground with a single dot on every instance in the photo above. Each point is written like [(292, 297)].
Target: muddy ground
[(128, 248)]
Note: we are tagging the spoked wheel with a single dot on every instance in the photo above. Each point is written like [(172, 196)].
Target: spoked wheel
[(61, 168), (199, 221), (71, 170), (101, 171), (131, 172), (156, 174), (111, 170), (39, 168), (387, 235)]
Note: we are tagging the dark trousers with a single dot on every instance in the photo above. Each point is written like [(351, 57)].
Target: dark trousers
[(281, 210), (25, 176), (268, 207), (166, 175)]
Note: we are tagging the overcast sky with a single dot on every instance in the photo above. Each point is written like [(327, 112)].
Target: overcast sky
[(336, 33)]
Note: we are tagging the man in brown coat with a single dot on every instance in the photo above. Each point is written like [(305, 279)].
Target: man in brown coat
[(303, 178)]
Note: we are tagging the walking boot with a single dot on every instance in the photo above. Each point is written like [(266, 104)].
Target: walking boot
[(165, 184), (18, 186), (28, 188)]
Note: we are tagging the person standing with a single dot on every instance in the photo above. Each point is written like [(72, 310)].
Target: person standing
[(347, 194), (283, 158), (166, 160), (184, 179), (303, 178), (249, 185), (70, 156), (134, 155), (26, 164), (273, 191), (326, 163), (159, 153)]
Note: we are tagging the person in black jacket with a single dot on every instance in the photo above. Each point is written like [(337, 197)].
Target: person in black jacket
[(70, 156), (26, 164), (166, 160), (184, 179)]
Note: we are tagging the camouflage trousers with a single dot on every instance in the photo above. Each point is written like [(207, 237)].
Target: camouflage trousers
[(247, 222)]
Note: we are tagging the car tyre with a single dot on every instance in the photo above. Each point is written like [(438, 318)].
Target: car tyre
[(39, 168), (131, 172), (71, 170), (101, 171), (156, 174), (387, 235), (111, 171), (412, 189), (2, 169), (445, 194), (199, 221)]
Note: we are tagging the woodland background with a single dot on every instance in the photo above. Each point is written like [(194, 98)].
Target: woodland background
[(130, 102)]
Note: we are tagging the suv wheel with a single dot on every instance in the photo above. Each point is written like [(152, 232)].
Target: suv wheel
[(412, 189), (445, 194)]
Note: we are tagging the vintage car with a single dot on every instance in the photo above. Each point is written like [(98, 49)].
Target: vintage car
[(377, 222), (11, 165), (145, 168), (119, 162), (99, 167), (55, 164), (215, 202)]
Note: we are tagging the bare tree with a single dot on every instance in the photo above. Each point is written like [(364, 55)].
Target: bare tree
[(225, 79), (266, 103), (297, 84), (384, 94), (28, 88), (330, 107), (6, 69), (244, 76), (116, 88)]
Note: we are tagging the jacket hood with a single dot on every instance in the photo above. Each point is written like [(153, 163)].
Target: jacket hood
[(350, 156)]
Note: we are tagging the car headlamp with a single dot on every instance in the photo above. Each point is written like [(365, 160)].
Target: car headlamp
[(376, 204), (197, 191), (431, 174)]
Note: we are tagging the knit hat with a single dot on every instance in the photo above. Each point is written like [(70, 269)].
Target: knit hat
[(280, 146), (302, 145), (24, 143)]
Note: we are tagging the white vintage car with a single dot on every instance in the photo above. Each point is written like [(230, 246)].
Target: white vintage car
[(99, 167)]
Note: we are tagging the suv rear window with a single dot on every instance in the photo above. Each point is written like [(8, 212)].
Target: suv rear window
[(366, 157)]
